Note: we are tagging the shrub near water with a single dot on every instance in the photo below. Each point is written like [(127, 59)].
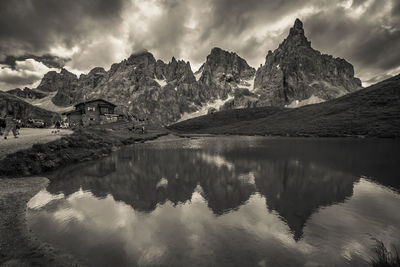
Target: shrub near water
[(83, 145), (46, 157), (384, 258)]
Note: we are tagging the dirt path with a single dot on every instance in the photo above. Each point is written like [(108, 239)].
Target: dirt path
[(28, 137)]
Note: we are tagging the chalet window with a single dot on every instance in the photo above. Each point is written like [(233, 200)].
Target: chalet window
[(104, 110), (91, 119), (91, 108)]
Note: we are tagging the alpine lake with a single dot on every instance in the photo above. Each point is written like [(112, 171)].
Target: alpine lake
[(226, 201)]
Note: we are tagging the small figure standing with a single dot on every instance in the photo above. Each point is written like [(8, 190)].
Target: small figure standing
[(2, 125), (17, 125), (10, 125), (142, 129)]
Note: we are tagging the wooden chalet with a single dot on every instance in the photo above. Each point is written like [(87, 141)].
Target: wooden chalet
[(97, 111)]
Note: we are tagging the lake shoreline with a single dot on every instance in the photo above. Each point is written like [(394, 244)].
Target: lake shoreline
[(18, 247), (82, 145), (194, 134), (95, 142)]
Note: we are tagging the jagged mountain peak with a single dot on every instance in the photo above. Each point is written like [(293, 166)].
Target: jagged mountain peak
[(218, 50), (295, 72), (177, 61), (140, 54), (296, 37), (64, 71), (97, 70), (223, 67), (179, 70), (53, 81), (144, 57)]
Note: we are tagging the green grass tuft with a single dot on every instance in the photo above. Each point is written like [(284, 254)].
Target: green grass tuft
[(383, 257)]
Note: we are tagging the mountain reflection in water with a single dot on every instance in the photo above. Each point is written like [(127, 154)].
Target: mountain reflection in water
[(237, 201)]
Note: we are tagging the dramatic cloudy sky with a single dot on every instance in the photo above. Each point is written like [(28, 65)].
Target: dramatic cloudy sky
[(41, 35)]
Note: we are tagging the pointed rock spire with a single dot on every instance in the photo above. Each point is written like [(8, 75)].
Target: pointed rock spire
[(298, 24), (297, 28), (291, 72), (296, 36)]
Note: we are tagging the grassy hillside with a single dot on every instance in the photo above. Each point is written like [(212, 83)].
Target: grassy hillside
[(373, 111), (25, 110), (47, 104)]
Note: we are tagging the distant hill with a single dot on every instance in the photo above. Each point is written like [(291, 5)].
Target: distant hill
[(373, 111), (24, 110), (27, 93)]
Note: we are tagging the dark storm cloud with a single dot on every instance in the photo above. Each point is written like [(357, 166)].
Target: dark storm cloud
[(23, 73), (378, 78), (216, 23), (15, 80), (370, 41), (165, 31), (239, 26), (36, 25), (235, 16), (396, 12), (364, 32), (48, 60)]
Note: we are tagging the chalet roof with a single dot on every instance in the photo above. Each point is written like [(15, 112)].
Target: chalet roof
[(71, 112), (94, 100)]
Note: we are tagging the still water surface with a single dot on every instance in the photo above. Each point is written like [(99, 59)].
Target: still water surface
[(226, 201)]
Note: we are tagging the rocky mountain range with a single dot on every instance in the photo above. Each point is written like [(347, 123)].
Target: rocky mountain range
[(150, 88), (296, 73), (167, 92)]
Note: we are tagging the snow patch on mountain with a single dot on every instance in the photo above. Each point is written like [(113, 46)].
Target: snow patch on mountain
[(197, 75), (248, 84), (309, 101), (217, 104), (162, 82)]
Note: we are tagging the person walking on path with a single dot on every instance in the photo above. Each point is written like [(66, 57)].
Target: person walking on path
[(10, 125)]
